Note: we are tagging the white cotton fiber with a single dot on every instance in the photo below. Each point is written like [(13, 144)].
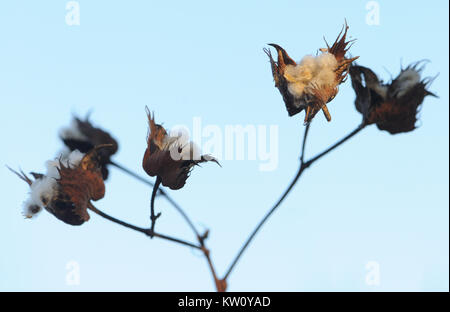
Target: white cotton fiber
[(311, 72), (179, 138), (72, 132), (74, 158), (71, 160), (43, 190), (30, 209), (407, 80), (191, 151), (52, 169)]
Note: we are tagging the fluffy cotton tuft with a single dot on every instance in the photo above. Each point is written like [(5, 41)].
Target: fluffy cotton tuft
[(72, 132), (52, 169), (179, 138), (30, 209), (311, 72), (407, 80), (69, 159), (74, 158), (191, 151), (43, 190)]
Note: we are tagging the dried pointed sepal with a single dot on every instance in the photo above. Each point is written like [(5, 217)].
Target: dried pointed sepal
[(313, 82), (21, 176), (339, 48)]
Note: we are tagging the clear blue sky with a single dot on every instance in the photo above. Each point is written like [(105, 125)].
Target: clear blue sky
[(378, 198)]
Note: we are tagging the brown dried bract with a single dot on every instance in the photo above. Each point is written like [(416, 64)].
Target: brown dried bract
[(77, 187), (159, 161), (392, 106), (315, 97)]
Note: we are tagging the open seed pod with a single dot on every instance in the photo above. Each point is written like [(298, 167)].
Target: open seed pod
[(392, 106), (313, 82), (170, 158), (67, 188)]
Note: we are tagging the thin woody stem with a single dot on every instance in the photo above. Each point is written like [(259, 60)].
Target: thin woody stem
[(303, 165), (131, 173), (262, 222), (305, 136), (162, 192), (221, 285), (337, 144), (153, 217), (147, 232)]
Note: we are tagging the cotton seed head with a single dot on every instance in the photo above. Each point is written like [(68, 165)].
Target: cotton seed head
[(67, 188), (313, 82), (391, 106), (170, 158)]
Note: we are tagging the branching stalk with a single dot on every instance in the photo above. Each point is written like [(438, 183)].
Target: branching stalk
[(303, 165), (145, 231)]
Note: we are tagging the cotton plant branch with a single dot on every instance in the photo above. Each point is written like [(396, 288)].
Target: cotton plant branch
[(221, 284), (149, 232), (72, 182), (303, 166), (153, 216)]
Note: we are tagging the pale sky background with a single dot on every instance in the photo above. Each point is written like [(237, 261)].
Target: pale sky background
[(378, 198)]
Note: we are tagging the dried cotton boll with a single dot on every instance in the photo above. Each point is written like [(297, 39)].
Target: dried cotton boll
[(43, 190), (313, 82), (67, 188), (392, 106), (165, 155)]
